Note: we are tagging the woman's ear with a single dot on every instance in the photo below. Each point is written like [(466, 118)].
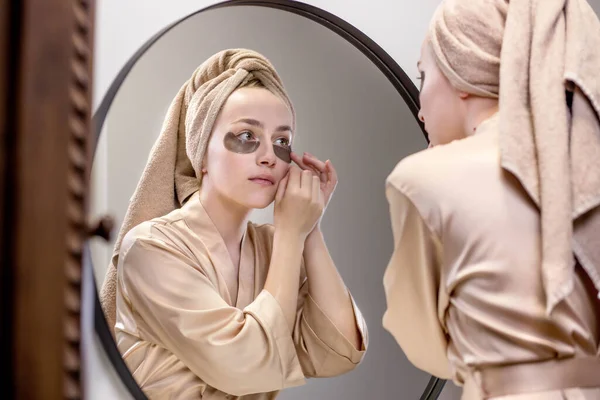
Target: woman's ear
[(463, 95)]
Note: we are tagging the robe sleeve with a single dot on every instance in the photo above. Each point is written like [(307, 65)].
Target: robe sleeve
[(412, 288), (235, 351), (322, 349)]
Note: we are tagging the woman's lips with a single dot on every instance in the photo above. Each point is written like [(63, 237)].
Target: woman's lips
[(261, 181)]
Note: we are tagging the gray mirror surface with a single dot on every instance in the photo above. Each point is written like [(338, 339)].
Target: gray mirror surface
[(347, 111)]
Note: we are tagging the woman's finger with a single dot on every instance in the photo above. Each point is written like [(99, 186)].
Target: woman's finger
[(316, 188), (281, 188), (298, 160), (314, 161), (302, 164), (294, 177), (332, 177), (306, 181), (319, 169), (295, 157)]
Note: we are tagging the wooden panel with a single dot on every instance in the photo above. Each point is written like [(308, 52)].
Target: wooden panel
[(5, 6), (51, 163), (41, 194), (8, 23)]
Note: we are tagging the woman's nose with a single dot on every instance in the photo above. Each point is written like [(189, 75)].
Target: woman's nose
[(421, 118), (266, 154)]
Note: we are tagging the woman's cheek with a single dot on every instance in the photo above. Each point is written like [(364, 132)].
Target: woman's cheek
[(284, 168)]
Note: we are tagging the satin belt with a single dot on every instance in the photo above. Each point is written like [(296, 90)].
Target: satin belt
[(556, 374)]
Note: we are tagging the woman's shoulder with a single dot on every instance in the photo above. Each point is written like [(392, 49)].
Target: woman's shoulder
[(445, 166), (418, 170), (160, 230), (263, 231)]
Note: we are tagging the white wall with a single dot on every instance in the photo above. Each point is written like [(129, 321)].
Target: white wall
[(396, 26)]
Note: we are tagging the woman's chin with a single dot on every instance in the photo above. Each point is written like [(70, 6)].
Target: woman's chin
[(262, 206), (258, 202)]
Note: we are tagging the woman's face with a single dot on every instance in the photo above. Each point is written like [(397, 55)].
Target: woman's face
[(250, 137), (442, 109)]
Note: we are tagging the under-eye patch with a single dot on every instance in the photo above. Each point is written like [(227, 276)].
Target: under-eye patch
[(238, 144), (283, 152)]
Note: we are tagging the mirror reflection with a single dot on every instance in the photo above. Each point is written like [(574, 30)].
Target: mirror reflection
[(244, 170)]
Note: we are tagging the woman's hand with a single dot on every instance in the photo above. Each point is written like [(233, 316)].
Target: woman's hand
[(299, 202), (324, 170)]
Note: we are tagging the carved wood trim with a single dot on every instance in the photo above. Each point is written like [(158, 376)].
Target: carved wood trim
[(45, 157), (80, 155)]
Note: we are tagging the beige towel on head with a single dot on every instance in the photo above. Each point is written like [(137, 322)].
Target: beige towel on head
[(527, 53), (173, 171)]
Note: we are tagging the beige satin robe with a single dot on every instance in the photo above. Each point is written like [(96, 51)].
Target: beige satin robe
[(184, 336), (463, 285)]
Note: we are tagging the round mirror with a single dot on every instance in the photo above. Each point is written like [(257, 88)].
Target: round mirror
[(354, 106)]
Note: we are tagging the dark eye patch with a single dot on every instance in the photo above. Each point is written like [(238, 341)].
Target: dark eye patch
[(283, 153), (237, 144)]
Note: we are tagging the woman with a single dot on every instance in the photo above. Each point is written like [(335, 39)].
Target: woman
[(495, 273), (209, 305)]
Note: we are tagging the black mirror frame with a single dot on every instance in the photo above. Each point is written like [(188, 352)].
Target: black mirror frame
[(358, 39)]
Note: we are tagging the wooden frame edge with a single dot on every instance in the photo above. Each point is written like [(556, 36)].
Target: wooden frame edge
[(8, 26), (45, 156), (80, 155)]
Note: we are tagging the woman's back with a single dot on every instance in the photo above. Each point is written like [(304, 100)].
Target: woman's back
[(491, 225), (485, 232)]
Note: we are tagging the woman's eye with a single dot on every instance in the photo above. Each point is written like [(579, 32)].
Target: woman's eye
[(246, 136), (421, 78), (283, 142)]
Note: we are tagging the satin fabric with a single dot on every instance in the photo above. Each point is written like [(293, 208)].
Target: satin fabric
[(464, 285), (188, 330)]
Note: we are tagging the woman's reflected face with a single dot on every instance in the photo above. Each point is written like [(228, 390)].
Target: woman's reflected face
[(246, 156), (442, 109)]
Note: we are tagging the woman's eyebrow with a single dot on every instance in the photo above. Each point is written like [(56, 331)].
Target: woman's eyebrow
[(249, 121), (283, 128), (254, 122)]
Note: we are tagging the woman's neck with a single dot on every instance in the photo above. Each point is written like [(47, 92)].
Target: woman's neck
[(479, 109), (229, 217)]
